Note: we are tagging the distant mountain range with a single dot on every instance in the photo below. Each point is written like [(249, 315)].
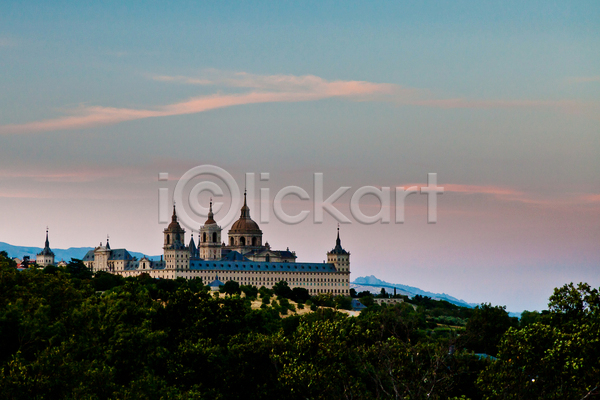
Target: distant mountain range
[(59, 254), (374, 285)]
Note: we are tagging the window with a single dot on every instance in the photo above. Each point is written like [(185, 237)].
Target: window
[(214, 237)]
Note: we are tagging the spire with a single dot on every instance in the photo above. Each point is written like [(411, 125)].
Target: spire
[(174, 217), (174, 225), (192, 246), (46, 251), (107, 244), (245, 210), (211, 217), (338, 249)]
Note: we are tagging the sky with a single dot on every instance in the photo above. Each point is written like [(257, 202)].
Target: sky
[(500, 99)]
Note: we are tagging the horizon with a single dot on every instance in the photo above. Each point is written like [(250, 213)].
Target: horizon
[(502, 101)]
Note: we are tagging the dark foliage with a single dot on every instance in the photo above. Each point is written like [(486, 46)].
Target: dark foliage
[(66, 334)]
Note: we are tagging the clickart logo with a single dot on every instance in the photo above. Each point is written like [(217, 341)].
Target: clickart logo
[(220, 185)]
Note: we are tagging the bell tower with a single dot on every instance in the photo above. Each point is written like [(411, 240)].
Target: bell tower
[(46, 256), (177, 255), (338, 256), (209, 241)]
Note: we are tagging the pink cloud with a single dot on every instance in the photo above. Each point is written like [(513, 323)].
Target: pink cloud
[(86, 117), (591, 198), (473, 189), (285, 83), (514, 195), (75, 174), (277, 88), (38, 193)]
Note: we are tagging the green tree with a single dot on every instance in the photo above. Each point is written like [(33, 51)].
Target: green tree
[(282, 289), (485, 328), (251, 292), (300, 295), (528, 318), (6, 260), (77, 269), (231, 288), (558, 358), (366, 299), (105, 281), (319, 362), (343, 302)]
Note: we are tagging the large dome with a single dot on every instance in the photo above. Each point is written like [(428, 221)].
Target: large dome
[(245, 224)]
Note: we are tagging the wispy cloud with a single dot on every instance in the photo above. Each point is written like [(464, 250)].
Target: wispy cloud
[(39, 171), (515, 195), (287, 83), (271, 89), (291, 89), (40, 193)]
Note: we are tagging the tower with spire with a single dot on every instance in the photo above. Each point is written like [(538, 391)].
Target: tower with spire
[(209, 240), (177, 254), (46, 256), (245, 235), (338, 256)]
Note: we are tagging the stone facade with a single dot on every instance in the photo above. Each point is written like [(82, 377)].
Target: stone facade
[(244, 259)]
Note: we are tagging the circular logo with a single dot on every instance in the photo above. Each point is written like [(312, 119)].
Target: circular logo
[(209, 186)]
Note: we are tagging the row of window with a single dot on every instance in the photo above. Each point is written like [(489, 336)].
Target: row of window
[(272, 266)]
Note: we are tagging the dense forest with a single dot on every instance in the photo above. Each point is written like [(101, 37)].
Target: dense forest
[(66, 334)]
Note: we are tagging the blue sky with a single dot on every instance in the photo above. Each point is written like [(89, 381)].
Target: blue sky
[(501, 99)]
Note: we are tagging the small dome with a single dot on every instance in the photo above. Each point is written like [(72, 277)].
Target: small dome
[(211, 216), (174, 225)]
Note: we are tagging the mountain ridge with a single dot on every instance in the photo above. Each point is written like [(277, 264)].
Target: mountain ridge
[(373, 281), (59, 254)]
